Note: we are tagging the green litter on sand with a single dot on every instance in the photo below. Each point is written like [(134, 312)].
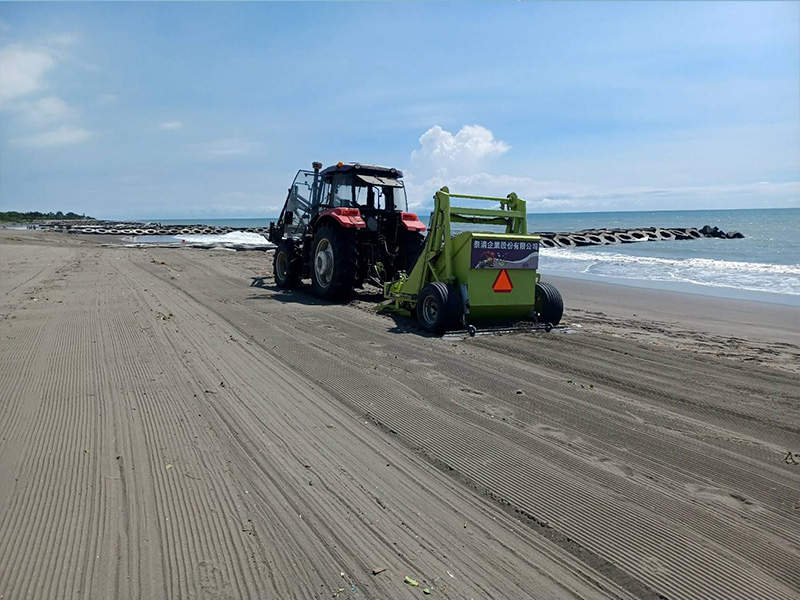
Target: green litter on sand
[(427, 591), (411, 582)]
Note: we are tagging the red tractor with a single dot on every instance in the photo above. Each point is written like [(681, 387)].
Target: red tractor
[(344, 226)]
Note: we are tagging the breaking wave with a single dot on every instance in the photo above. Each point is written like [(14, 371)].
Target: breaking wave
[(757, 277), (233, 237)]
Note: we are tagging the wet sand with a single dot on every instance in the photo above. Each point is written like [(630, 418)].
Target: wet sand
[(170, 430)]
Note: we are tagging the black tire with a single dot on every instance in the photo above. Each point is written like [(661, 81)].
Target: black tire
[(439, 307), (413, 245), (334, 264), (548, 305), (287, 265)]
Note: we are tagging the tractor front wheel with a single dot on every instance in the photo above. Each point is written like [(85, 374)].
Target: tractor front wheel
[(287, 265), (439, 307), (334, 264), (548, 305)]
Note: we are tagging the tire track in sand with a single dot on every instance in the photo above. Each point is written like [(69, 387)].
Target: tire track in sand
[(679, 549), (118, 394), (316, 510)]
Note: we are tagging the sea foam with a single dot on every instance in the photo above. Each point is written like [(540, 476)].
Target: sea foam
[(239, 238), (758, 277)]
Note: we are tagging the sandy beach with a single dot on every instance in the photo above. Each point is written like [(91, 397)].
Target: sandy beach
[(173, 426)]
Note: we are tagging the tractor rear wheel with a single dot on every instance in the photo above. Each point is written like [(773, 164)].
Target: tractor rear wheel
[(548, 305), (413, 243), (287, 265), (439, 307), (334, 264)]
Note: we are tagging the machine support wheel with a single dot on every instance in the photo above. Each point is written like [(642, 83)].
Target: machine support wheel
[(439, 307), (334, 264), (548, 305), (287, 265)]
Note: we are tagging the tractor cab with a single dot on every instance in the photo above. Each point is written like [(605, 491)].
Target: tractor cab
[(366, 187), (369, 188)]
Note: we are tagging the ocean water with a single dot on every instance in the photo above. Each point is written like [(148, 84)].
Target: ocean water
[(765, 265)]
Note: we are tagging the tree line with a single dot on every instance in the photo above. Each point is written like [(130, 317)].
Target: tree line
[(14, 216)]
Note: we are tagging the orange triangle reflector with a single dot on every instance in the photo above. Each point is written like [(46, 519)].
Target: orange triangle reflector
[(503, 282)]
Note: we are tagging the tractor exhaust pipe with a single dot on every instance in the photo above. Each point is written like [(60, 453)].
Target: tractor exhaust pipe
[(315, 187)]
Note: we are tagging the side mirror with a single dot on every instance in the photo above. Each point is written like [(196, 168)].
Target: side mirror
[(288, 217)]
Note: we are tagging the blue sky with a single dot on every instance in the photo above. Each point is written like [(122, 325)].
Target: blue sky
[(152, 110)]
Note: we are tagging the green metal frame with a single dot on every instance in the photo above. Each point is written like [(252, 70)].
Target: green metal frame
[(436, 263)]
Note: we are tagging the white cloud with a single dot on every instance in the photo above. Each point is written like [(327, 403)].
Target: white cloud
[(677, 171), (441, 151), (46, 110), (170, 125), (228, 147), (22, 71), (63, 136), (456, 160), (453, 160)]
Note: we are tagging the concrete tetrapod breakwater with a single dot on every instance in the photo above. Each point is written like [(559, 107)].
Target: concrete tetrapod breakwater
[(571, 239), (136, 234), (603, 237), (136, 229)]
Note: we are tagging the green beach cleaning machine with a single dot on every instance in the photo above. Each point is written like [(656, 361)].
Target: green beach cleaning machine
[(476, 277)]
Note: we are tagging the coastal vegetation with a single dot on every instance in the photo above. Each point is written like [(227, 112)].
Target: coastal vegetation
[(27, 217)]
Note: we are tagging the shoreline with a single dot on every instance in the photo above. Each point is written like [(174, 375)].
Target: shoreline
[(608, 307), (698, 289), (729, 317), (720, 292)]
